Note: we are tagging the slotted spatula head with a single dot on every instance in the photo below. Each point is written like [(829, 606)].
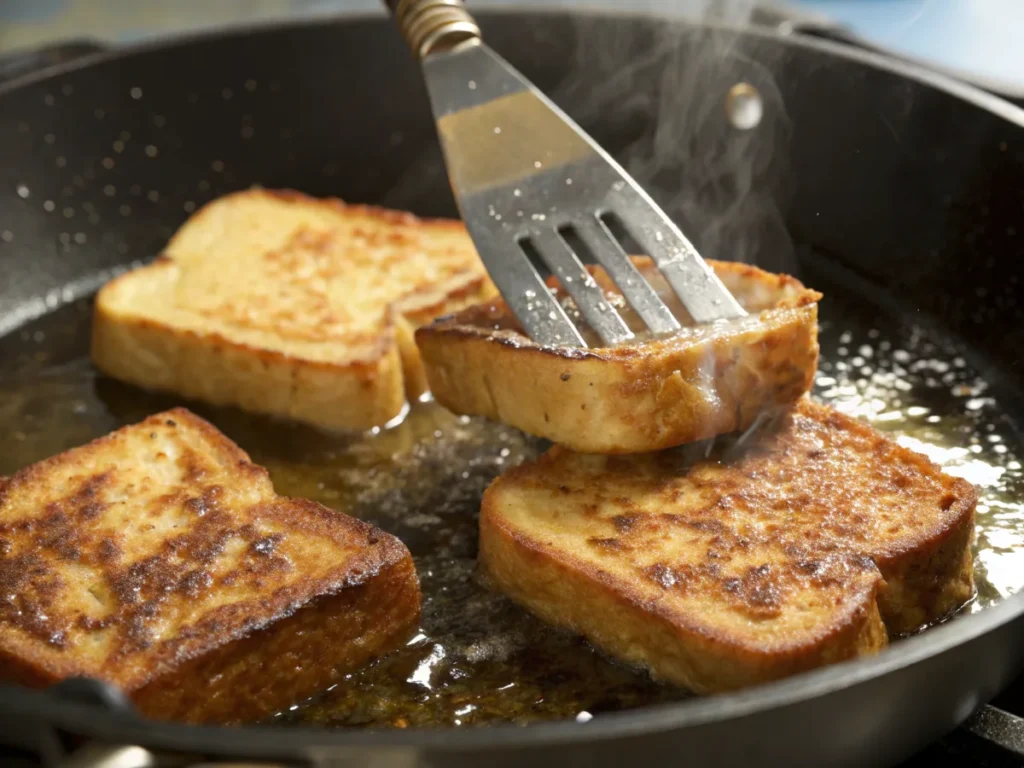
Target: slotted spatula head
[(527, 179)]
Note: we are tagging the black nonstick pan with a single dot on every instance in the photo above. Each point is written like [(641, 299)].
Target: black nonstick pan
[(894, 191)]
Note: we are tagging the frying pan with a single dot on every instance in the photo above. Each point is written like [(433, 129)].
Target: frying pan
[(893, 189)]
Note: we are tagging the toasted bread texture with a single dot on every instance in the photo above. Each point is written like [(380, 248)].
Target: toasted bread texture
[(642, 396), (288, 305), (806, 542), (159, 559)]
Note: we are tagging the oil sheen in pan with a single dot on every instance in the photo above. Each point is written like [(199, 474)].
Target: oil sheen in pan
[(477, 659)]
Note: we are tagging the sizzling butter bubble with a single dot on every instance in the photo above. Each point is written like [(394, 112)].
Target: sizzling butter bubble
[(924, 391)]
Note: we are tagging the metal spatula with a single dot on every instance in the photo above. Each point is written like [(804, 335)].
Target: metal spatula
[(527, 178)]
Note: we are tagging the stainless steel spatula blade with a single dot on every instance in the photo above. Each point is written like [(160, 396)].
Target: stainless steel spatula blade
[(527, 179)]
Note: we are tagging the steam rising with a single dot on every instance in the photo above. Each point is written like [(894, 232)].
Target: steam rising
[(664, 117)]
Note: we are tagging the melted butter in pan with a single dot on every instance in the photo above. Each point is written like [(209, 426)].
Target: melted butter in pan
[(478, 659), (927, 394)]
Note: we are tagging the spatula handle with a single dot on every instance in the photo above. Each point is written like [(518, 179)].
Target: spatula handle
[(433, 25)]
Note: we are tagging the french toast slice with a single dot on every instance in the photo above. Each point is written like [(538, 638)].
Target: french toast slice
[(160, 560), (288, 305), (805, 542), (643, 396)]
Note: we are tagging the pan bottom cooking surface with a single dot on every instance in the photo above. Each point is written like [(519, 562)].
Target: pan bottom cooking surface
[(477, 658)]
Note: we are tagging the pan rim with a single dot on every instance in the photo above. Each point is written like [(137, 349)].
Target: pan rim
[(903, 67), (273, 741), (270, 740)]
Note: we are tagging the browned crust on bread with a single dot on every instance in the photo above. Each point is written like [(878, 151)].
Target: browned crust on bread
[(673, 646), (475, 290), (208, 366), (361, 385), (669, 562), (381, 556), (268, 669), (365, 366), (196, 568), (35, 473), (478, 321), (633, 398)]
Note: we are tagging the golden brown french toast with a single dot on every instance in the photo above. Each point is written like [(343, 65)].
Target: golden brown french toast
[(159, 559), (287, 305), (642, 396), (804, 542)]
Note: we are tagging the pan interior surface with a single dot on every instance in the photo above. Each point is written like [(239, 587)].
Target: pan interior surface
[(100, 164), (477, 659)]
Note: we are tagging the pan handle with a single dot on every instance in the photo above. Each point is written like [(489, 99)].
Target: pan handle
[(21, 63)]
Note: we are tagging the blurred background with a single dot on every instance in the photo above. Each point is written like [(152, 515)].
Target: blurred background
[(980, 40)]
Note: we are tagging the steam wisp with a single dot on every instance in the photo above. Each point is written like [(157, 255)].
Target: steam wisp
[(665, 117)]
